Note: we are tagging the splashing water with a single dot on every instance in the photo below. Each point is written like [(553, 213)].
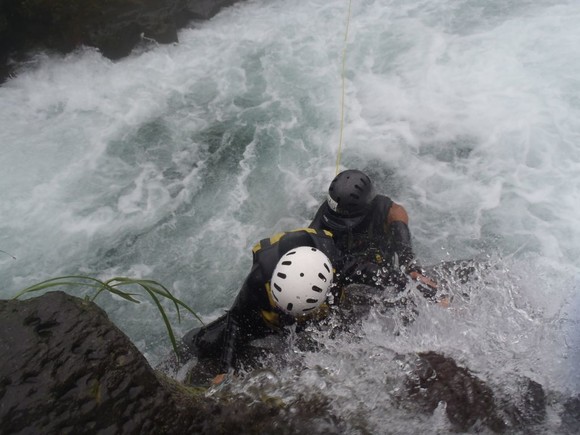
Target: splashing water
[(171, 163)]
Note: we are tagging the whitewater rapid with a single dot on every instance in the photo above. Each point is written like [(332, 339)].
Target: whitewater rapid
[(170, 164)]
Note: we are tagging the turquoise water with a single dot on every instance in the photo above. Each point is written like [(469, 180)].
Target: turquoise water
[(170, 164)]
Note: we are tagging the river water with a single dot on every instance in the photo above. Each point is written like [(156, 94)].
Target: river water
[(171, 163)]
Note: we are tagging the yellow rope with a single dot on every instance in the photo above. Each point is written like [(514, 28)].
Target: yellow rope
[(338, 156)]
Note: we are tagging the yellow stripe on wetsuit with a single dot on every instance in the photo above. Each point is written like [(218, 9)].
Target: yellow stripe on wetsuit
[(276, 238)]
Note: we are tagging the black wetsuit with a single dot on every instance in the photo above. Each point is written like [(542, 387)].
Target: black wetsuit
[(373, 251), (372, 241), (369, 240), (252, 316)]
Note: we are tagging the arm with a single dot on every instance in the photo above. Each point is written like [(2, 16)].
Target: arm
[(243, 320), (398, 213), (398, 221), (237, 315), (229, 344), (230, 341)]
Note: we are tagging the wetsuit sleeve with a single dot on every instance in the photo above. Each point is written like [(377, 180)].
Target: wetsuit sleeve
[(403, 247), (241, 319), (231, 337)]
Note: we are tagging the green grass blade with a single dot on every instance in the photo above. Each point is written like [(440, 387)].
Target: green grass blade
[(54, 282), (154, 289), (165, 319), (152, 285), (106, 286)]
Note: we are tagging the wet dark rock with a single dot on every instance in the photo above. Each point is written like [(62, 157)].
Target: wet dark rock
[(524, 403), (472, 403), (205, 9), (65, 368), (571, 416), (438, 379), (115, 27)]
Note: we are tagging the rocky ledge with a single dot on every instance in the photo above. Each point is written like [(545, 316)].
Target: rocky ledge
[(115, 27), (66, 368)]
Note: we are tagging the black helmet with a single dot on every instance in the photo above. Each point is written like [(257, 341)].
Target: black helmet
[(349, 197)]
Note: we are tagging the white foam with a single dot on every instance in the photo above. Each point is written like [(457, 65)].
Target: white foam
[(174, 161)]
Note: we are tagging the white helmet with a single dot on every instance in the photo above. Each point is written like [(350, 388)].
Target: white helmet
[(301, 280)]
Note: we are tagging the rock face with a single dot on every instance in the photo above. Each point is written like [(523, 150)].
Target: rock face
[(438, 378), (571, 416), (66, 368), (113, 26)]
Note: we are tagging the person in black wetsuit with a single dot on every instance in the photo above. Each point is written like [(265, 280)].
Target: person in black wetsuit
[(371, 231), (291, 281)]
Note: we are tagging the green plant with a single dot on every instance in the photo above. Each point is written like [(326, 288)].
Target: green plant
[(154, 289)]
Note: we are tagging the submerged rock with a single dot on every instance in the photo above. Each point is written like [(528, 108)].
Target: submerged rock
[(571, 416), (468, 400), (471, 403), (67, 369)]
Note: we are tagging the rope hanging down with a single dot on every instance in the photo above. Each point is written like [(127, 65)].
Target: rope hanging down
[(7, 253), (339, 153)]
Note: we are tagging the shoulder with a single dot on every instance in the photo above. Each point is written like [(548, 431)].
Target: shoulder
[(267, 252), (284, 241), (397, 213), (381, 207), (387, 210), (383, 200)]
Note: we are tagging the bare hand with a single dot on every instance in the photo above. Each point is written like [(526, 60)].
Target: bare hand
[(423, 279), (219, 379)]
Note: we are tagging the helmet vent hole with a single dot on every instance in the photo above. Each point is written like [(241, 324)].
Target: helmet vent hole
[(354, 195), (301, 280), (357, 187)]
